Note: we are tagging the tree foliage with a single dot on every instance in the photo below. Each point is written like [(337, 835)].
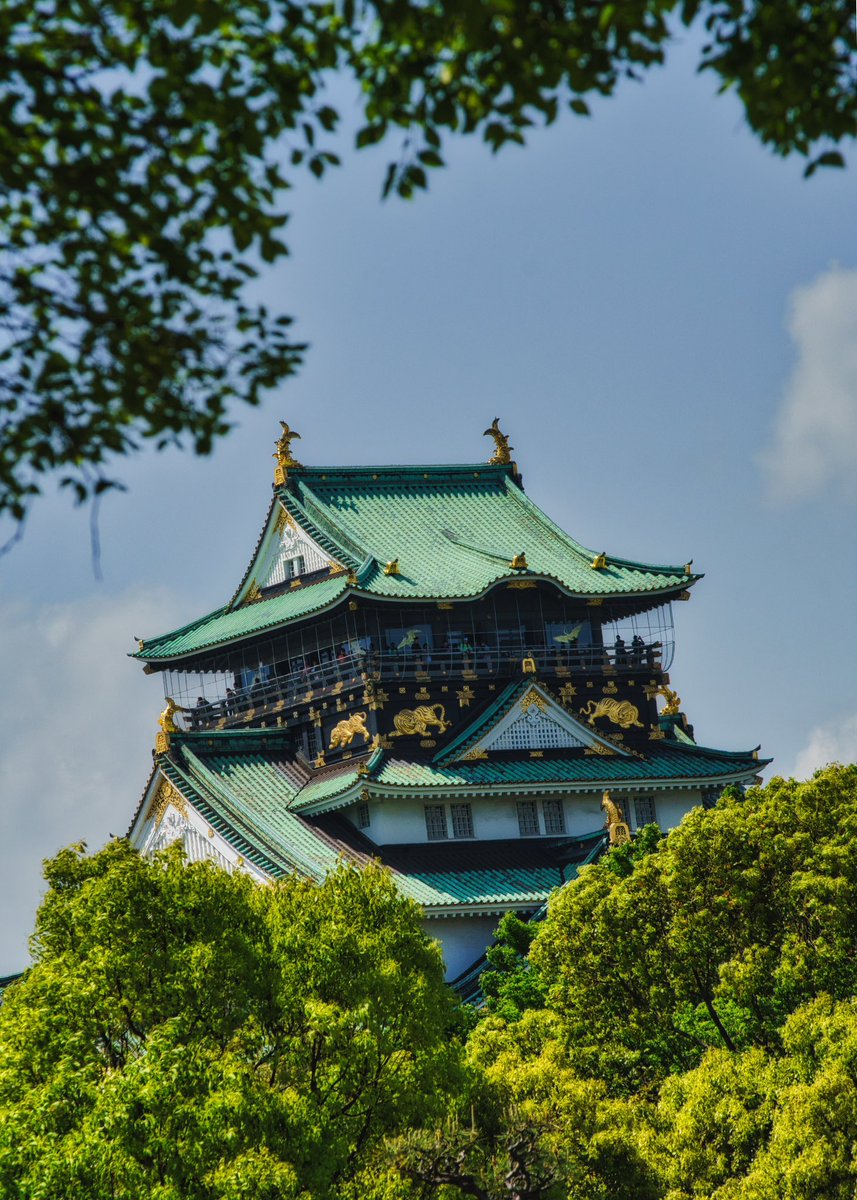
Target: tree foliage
[(738, 917), (697, 1034), (185, 1033), (682, 1026), (146, 147)]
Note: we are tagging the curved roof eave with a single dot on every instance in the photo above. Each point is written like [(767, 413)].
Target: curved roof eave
[(358, 593)]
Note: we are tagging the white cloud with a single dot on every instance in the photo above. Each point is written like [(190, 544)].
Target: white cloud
[(78, 720), (815, 435), (835, 742)]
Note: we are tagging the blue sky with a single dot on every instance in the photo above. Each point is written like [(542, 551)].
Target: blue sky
[(663, 315)]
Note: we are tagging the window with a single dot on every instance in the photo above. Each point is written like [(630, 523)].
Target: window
[(710, 796), (554, 816), (361, 816), (292, 567), (462, 821), (435, 822), (644, 811), (528, 818)]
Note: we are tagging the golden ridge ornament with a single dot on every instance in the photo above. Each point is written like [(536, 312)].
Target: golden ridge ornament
[(618, 829), (502, 455), (283, 454)]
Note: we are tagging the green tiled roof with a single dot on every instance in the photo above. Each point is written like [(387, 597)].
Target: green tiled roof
[(246, 798), (454, 531), (225, 626), (667, 764), (523, 885), (247, 802)]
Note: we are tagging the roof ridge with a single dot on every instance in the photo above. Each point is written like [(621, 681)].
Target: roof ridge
[(650, 568), (340, 544), (230, 801)]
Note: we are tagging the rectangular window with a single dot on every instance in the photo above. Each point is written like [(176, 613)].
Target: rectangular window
[(293, 567), (362, 816), (554, 816), (435, 822), (528, 818), (644, 811), (462, 821)]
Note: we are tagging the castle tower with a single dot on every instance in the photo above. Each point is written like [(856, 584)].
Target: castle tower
[(419, 666)]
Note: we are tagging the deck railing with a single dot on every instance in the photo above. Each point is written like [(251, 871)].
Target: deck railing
[(278, 694)]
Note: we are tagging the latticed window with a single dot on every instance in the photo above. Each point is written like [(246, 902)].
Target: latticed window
[(435, 822), (292, 567), (644, 810), (554, 816), (362, 816), (528, 818), (462, 821)]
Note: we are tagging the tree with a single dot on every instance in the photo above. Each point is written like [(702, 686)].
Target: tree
[(146, 147), (761, 1126), (185, 1033), (739, 917)]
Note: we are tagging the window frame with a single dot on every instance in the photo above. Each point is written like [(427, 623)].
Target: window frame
[(533, 808), (435, 809), (559, 808), (456, 810)]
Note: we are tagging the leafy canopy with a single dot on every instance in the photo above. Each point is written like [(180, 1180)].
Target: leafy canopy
[(145, 148), (697, 1034), (188, 1034)]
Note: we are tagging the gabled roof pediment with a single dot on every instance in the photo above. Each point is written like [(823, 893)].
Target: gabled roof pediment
[(286, 551), (526, 717)]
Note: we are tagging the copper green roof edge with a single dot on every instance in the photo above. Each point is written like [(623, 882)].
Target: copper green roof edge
[(238, 810), (316, 791), (510, 885), (524, 500), (257, 617), (255, 553), (495, 711), (661, 767), (219, 823), (315, 521)]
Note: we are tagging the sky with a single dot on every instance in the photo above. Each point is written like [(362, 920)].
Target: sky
[(664, 317)]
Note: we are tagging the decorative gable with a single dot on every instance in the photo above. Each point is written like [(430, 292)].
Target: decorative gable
[(169, 818), (291, 553), (534, 728), (286, 552), (535, 721)]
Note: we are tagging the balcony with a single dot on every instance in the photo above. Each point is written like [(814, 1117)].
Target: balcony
[(221, 705)]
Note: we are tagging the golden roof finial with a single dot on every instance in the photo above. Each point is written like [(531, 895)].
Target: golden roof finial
[(168, 725), (283, 454), (503, 452)]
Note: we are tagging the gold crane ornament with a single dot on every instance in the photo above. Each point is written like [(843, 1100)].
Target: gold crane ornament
[(503, 452)]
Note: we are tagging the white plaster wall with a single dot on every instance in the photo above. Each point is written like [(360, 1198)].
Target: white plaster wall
[(583, 813), (403, 821), (463, 939), (670, 807)]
